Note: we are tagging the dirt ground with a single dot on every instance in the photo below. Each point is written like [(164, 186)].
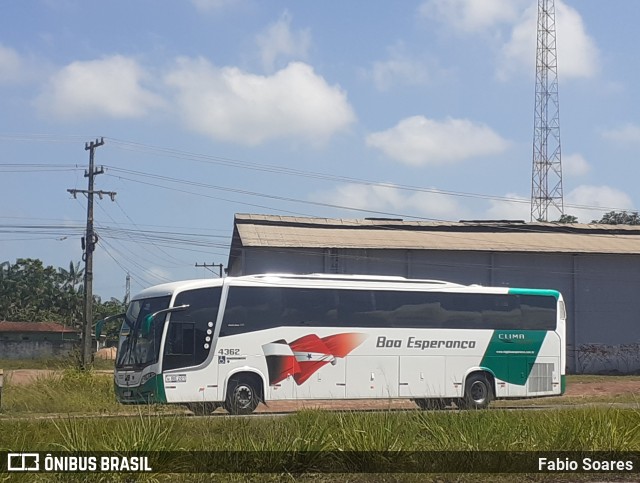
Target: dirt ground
[(613, 387)]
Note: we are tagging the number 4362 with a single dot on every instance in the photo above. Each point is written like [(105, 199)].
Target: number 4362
[(229, 352)]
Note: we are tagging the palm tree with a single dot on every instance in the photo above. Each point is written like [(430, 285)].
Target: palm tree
[(72, 279)]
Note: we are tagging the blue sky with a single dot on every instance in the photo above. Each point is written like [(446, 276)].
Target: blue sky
[(419, 109)]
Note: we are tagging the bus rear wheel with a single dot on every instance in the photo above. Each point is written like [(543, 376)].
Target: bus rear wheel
[(243, 396), (478, 393)]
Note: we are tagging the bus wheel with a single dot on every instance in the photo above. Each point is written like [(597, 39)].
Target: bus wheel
[(242, 396), (477, 393), (430, 404), (202, 408)]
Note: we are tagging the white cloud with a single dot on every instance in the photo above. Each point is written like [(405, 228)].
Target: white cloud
[(11, 65), (514, 207), (420, 141), (231, 105), (109, 87), (471, 16), (398, 69), (576, 50), (628, 133), (390, 199), (280, 41), (584, 201), (575, 165)]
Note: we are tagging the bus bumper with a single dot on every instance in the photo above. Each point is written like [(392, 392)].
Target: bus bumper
[(151, 392)]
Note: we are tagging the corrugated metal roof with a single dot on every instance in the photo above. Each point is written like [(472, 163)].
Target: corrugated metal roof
[(296, 232), (6, 326)]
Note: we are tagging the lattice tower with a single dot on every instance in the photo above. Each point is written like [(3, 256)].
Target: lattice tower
[(546, 186)]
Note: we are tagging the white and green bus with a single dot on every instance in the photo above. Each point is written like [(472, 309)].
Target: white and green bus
[(238, 341)]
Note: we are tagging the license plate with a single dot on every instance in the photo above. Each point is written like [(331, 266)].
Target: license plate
[(127, 393)]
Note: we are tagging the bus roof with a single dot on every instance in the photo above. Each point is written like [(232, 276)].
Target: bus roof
[(324, 280), (169, 288), (330, 277)]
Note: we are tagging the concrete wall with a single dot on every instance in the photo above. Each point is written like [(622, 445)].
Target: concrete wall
[(35, 349), (602, 292)]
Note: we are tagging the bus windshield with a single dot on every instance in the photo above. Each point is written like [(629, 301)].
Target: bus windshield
[(136, 348)]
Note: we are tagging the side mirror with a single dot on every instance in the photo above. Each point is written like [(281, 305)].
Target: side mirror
[(145, 327), (100, 324), (99, 327)]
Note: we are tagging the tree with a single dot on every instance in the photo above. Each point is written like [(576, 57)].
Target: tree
[(567, 219), (619, 218), (71, 293), (106, 309), (33, 292), (73, 277), (29, 291)]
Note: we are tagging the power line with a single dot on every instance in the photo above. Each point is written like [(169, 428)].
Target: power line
[(283, 198), (248, 165), (276, 169)]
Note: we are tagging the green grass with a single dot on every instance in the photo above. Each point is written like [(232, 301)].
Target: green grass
[(60, 363), (67, 391), (584, 429), (627, 399), (275, 439), (307, 432)]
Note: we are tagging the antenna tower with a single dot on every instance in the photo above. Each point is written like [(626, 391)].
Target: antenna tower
[(546, 185)]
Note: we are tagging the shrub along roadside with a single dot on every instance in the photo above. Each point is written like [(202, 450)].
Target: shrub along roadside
[(355, 439), (64, 392), (585, 429)]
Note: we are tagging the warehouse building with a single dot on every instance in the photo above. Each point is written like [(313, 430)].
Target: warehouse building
[(596, 267)]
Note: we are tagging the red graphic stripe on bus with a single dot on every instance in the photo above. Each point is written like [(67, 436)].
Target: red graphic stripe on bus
[(311, 353), (281, 361), (342, 344), (304, 356)]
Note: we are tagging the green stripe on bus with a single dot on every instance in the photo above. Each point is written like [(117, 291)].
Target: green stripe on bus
[(535, 291), (511, 353), (161, 396)]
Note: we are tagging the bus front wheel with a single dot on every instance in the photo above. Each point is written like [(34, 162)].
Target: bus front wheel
[(243, 396), (478, 393)]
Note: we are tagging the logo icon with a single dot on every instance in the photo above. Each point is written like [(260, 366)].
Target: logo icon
[(23, 462)]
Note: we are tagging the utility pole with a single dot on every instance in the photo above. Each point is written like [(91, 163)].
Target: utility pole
[(88, 245), (127, 293), (208, 265)]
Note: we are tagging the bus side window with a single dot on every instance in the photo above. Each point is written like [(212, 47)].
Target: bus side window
[(250, 309), (409, 309), (356, 308), (181, 339), (308, 307), (190, 332)]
